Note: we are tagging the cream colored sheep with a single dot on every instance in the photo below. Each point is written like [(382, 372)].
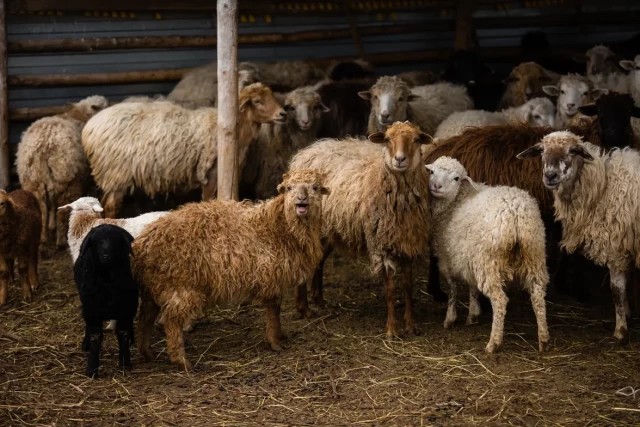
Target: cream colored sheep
[(52, 165), (536, 112), (379, 205), (487, 237), (596, 198), (160, 147), (603, 69), (425, 106), (573, 91)]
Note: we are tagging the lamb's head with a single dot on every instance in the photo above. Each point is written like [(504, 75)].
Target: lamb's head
[(258, 103), (6, 204), (539, 112), (600, 60), (107, 246), (84, 204), (573, 91), (563, 155), (92, 105), (402, 142), (304, 108), (634, 70), (614, 111), (447, 175), (390, 98), (527, 80), (303, 190)]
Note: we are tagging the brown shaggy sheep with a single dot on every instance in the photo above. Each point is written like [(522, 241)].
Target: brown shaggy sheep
[(221, 252), (524, 83), (20, 225)]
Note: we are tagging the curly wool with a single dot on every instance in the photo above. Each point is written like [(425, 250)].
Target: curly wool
[(159, 147), (51, 163)]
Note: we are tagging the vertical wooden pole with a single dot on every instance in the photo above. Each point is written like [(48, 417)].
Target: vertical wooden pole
[(5, 168), (353, 27), (465, 30), (227, 50)]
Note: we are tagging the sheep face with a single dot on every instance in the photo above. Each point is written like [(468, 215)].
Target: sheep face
[(614, 111), (390, 98), (258, 102), (92, 105), (304, 108), (563, 155), (541, 112), (634, 69), (527, 80), (447, 175), (303, 190), (600, 60), (402, 145), (105, 246), (573, 92), (86, 204)]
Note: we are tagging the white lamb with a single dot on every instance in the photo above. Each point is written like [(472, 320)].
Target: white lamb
[(595, 196), (487, 237), (536, 112)]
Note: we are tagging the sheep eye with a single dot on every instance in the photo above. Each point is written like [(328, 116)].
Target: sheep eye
[(562, 92), (387, 140), (537, 117), (375, 98), (315, 187), (288, 188), (457, 178), (257, 102)]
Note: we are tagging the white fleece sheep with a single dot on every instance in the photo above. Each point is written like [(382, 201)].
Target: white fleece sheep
[(487, 237), (52, 165), (573, 91), (536, 112), (160, 147), (597, 199), (425, 106)]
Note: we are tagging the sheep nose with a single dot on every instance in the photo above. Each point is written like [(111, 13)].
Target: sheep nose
[(305, 122), (571, 105), (384, 115), (437, 186), (401, 158), (283, 114), (551, 175)]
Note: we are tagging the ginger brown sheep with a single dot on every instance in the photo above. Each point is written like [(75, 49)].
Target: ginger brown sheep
[(222, 252), (525, 82), (20, 226)]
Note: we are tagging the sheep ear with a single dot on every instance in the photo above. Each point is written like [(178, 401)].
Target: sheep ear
[(325, 191), (429, 167), (281, 188), (97, 208), (635, 112), (365, 94), (580, 58), (245, 102), (68, 206), (413, 97), (579, 150), (588, 110), (423, 138), (598, 92), (627, 65), (531, 152), (551, 90), (324, 108), (377, 137), (470, 181)]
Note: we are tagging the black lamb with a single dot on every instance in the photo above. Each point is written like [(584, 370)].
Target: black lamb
[(107, 291)]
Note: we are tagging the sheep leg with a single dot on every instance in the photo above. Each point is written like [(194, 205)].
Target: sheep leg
[(10, 265), (302, 304), (389, 287), (316, 284), (124, 331), (274, 330), (111, 203), (92, 343), (474, 305), (410, 324), (499, 301), (5, 279), (148, 312), (62, 223), (452, 313), (33, 269), (175, 342), (23, 272), (44, 213), (619, 292), (540, 310), (210, 189), (433, 285)]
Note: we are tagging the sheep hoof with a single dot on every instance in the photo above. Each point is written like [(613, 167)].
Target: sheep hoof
[(448, 324), (320, 302), (412, 331), (188, 367), (392, 333), (147, 354), (621, 335), (472, 320), (491, 347), (276, 347), (543, 346)]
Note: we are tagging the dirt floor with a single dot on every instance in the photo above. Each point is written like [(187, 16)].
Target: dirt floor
[(336, 369)]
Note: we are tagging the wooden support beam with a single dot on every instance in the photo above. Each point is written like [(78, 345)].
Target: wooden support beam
[(5, 167), (228, 176), (353, 27), (28, 114), (89, 79), (465, 30)]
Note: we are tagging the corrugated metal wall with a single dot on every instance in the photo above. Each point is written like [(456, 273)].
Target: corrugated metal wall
[(67, 25)]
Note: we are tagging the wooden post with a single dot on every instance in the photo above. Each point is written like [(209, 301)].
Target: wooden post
[(227, 26), (465, 30), (5, 168), (353, 26)]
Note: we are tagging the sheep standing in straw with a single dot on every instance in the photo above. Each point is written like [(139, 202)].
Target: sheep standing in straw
[(597, 199), (379, 205), (227, 252), (160, 147), (487, 237), (52, 165)]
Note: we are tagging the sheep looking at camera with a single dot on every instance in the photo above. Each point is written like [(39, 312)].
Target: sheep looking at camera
[(464, 214), (573, 91), (536, 112)]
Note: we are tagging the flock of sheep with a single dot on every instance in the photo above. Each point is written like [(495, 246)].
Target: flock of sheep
[(435, 179)]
